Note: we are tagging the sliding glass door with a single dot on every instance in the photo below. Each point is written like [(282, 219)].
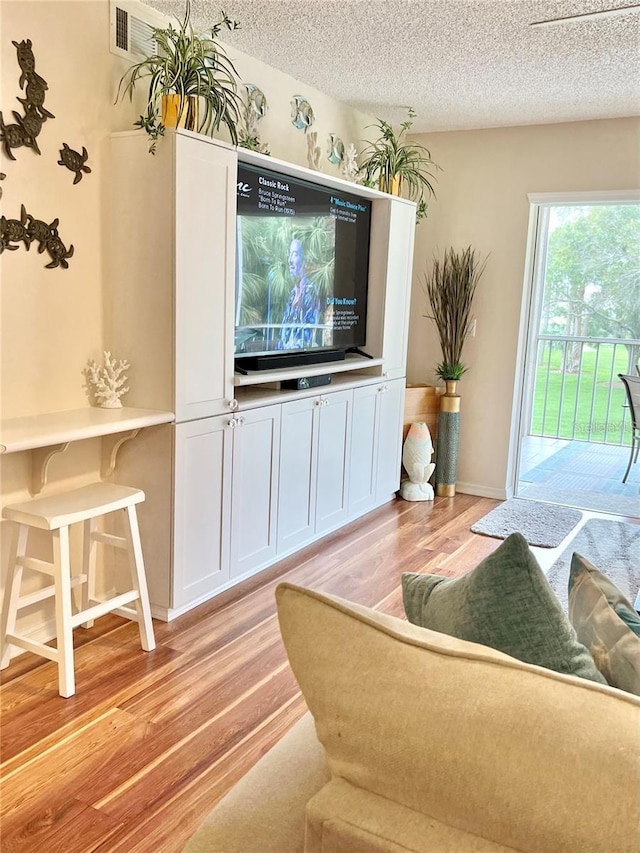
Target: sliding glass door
[(583, 331)]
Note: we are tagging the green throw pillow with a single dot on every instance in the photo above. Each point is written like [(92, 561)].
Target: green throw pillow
[(607, 624), (506, 603)]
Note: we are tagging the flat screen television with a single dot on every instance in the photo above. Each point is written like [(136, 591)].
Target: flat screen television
[(302, 264)]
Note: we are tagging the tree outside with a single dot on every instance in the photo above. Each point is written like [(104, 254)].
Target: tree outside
[(592, 278), (591, 293)]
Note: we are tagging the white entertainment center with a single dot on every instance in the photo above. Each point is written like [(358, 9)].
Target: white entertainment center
[(249, 472)]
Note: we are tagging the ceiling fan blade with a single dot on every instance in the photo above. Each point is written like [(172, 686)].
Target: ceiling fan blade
[(588, 16)]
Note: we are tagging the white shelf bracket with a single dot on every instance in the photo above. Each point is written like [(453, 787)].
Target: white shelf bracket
[(40, 459), (110, 448)]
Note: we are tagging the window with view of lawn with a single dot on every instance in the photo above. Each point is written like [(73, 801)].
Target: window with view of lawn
[(584, 332)]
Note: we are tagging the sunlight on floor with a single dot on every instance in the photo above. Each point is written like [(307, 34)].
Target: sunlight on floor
[(546, 557), (586, 475)]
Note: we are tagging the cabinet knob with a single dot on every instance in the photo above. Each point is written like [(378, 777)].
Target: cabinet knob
[(232, 423), (240, 421), (318, 402), (233, 404)]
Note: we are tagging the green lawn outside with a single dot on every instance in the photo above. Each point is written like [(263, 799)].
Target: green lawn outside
[(604, 423)]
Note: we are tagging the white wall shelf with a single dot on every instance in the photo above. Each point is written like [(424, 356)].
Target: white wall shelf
[(37, 431), (351, 362), (49, 434), (250, 396)]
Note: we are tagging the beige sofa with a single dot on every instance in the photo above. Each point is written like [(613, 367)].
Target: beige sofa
[(432, 744)]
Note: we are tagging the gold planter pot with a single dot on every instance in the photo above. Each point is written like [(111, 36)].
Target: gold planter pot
[(390, 185), (178, 111)]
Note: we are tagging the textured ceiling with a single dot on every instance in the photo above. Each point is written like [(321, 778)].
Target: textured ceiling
[(460, 64)]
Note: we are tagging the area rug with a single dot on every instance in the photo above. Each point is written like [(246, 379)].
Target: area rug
[(541, 524), (614, 549)]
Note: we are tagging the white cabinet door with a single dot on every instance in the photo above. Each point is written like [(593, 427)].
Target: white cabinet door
[(254, 490), (297, 486), (205, 206), (333, 441), (202, 494), (389, 451), (363, 456)]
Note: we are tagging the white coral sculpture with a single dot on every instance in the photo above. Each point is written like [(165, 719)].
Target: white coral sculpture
[(313, 150), (350, 169), (108, 382)]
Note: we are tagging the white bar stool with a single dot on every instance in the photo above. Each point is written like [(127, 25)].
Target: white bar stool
[(57, 513)]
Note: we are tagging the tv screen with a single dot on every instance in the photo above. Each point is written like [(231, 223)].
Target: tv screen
[(302, 263)]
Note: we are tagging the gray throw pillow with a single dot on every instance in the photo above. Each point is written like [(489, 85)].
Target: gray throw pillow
[(606, 623), (506, 603)]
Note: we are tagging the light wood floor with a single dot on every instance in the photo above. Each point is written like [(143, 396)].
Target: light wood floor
[(149, 743)]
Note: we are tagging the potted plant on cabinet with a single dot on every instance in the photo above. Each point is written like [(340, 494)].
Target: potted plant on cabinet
[(450, 287), (394, 164), (187, 72)]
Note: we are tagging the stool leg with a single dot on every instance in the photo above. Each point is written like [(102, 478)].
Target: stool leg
[(89, 550), (64, 629), (134, 546), (17, 549)]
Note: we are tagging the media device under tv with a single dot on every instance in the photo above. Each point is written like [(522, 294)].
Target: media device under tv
[(303, 383), (302, 264)]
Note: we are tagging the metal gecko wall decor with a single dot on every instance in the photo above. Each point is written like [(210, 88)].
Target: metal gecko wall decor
[(26, 128), (29, 230)]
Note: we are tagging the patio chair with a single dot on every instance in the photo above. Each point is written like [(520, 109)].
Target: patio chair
[(632, 387)]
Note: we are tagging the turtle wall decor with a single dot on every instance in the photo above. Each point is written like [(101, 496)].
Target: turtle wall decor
[(58, 253), (26, 60), (41, 232), (27, 230), (27, 127), (14, 231), (73, 161), (15, 136)]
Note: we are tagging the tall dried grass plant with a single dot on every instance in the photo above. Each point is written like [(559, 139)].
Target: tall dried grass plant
[(450, 287)]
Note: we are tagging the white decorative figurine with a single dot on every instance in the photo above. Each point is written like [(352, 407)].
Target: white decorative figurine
[(107, 383), (416, 458), (313, 150), (350, 169)]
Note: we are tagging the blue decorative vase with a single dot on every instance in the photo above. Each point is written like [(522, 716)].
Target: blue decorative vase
[(448, 436)]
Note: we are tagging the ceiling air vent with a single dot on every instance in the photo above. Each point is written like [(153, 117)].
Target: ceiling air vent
[(131, 28)]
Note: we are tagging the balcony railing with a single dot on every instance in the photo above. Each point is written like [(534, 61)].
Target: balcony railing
[(577, 394)]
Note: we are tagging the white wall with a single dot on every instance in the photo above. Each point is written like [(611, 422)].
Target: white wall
[(482, 201)]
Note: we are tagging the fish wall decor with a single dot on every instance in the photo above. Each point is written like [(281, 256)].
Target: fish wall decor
[(302, 115)]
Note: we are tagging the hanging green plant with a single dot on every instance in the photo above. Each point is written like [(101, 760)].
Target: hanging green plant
[(391, 164), (197, 70)]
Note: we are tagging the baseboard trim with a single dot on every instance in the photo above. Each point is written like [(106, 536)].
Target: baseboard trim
[(481, 491)]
